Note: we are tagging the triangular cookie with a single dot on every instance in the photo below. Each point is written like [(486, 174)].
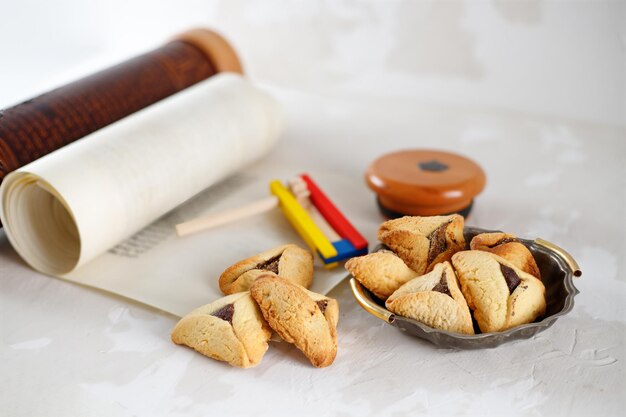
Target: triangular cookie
[(435, 300), (380, 272), (508, 247), (500, 294), (230, 329), (422, 242), (304, 318), (288, 261)]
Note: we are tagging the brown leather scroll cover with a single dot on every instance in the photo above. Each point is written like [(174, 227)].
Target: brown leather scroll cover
[(50, 121)]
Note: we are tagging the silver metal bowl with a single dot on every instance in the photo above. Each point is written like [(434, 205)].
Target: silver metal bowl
[(557, 267)]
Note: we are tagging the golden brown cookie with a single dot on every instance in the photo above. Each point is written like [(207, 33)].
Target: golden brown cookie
[(500, 295), (422, 242), (299, 316), (435, 300), (287, 261), (230, 329), (380, 272), (510, 248)]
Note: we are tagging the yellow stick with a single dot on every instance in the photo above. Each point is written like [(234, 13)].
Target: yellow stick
[(302, 222)]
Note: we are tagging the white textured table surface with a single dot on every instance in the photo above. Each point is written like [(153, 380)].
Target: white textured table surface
[(382, 73), (68, 350)]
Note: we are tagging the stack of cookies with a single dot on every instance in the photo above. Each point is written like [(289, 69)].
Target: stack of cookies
[(428, 275), (265, 292)]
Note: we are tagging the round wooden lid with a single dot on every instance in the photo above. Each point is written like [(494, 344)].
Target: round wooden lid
[(425, 182), (215, 47)]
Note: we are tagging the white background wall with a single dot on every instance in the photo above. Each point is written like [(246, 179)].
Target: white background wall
[(562, 58)]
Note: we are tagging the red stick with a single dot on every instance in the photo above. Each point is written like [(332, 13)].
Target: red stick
[(333, 216)]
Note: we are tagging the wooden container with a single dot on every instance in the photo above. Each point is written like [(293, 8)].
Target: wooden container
[(54, 119), (424, 183)]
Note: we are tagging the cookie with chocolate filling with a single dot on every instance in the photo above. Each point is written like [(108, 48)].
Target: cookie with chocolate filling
[(422, 242), (230, 329), (435, 300), (500, 294), (299, 316), (287, 261), (380, 272), (510, 248)]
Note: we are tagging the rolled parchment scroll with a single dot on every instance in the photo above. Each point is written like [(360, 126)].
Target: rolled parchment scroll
[(65, 209)]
